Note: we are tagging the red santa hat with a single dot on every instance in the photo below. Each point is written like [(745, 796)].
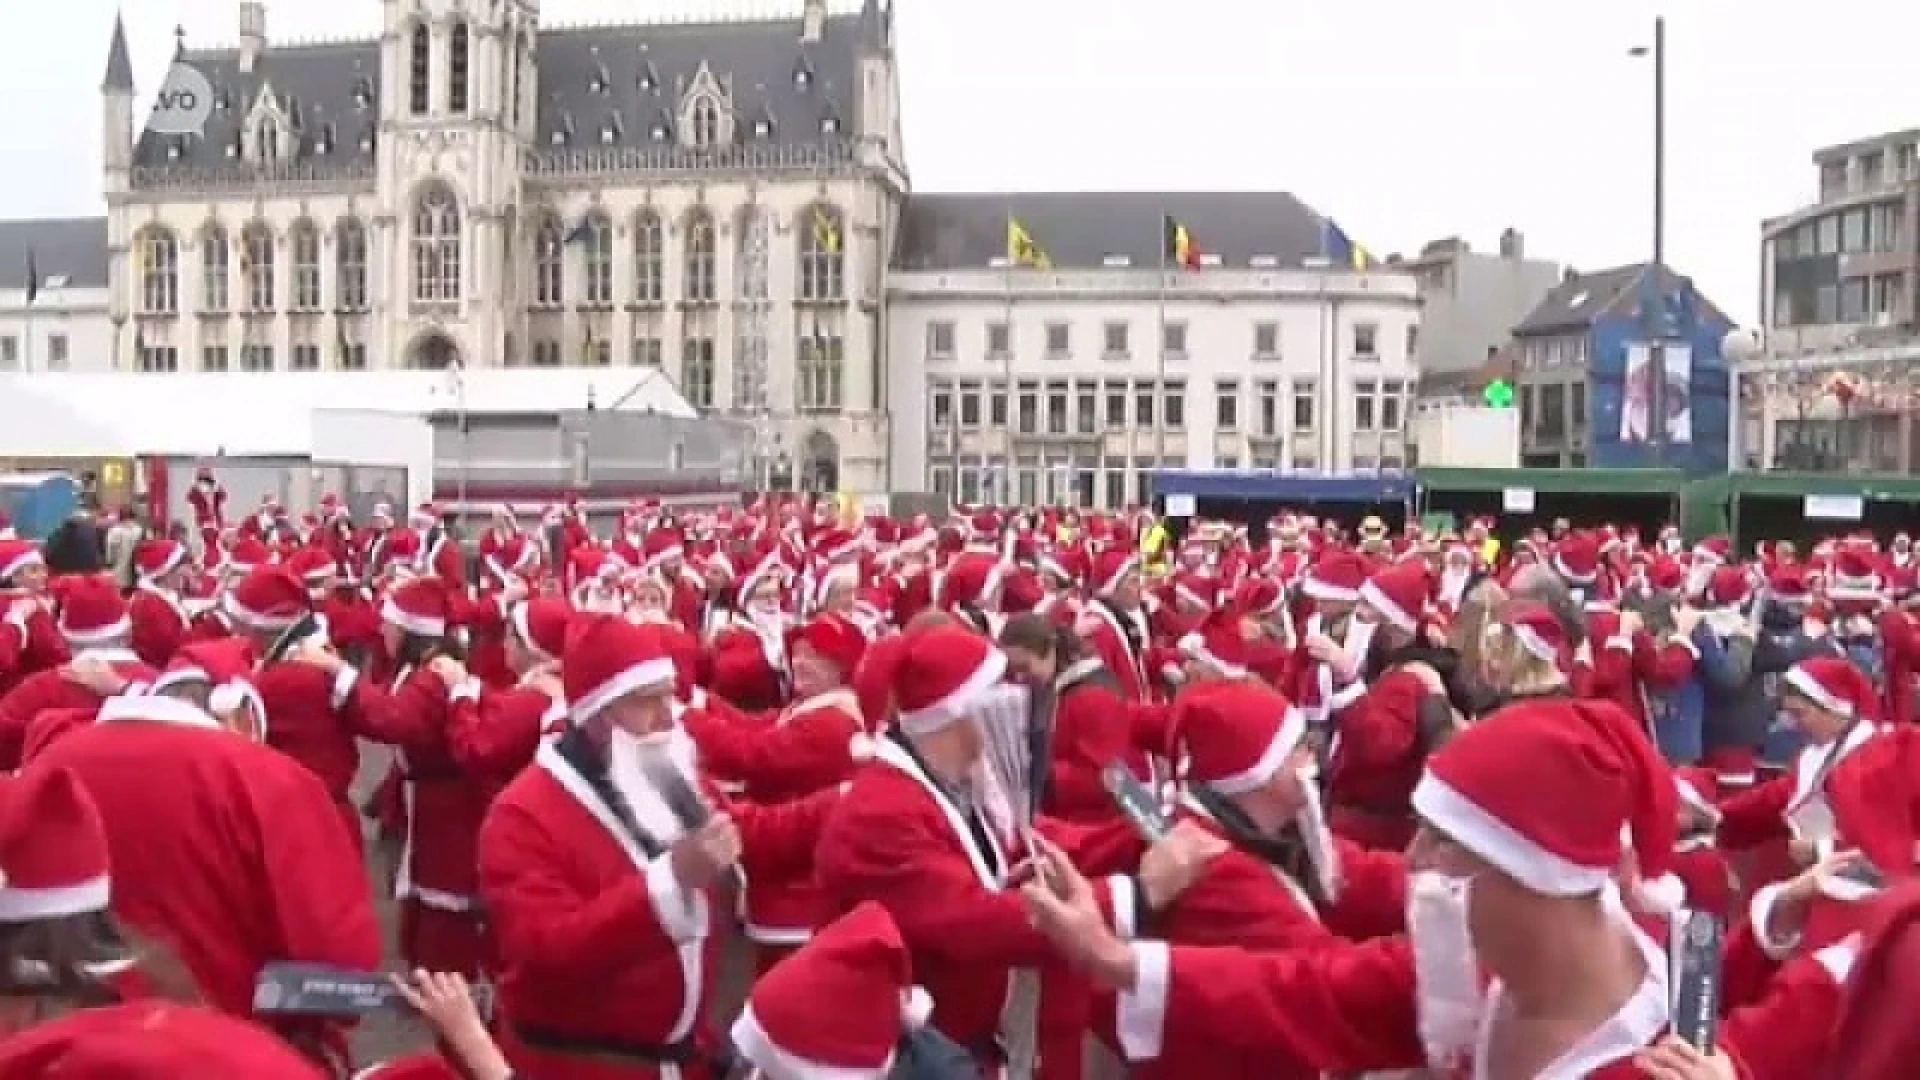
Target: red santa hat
[(1855, 576), (1220, 645), (1788, 584), (1712, 551), (1729, 587), (155, 559), (1237, 736), (1110, 570), (312, 565), (1577, 558), (834, 639), (53, 848), (835, 1010), (18, 555), (1065, 563), (92, 612), (662, 545), (1548, 790), (606, 659), (150, 1040), (1399, 593), (1835, 685), (1875, 1038), (268, 599), (425, 516), (1336, 577), (247, 554), (939, 675), (541, 625), (1538, 631), (224, 666), (420, 606)]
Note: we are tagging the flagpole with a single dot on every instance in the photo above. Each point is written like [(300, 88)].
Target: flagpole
[(1160, 355), (1006, 375)]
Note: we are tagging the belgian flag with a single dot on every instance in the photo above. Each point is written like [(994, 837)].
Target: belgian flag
[(1177, 247)]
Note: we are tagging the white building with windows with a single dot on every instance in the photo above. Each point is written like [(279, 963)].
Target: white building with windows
[(1072, 383), (714, 198), (58, 323)]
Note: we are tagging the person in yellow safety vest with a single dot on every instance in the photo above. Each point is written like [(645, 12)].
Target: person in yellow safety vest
[(1156, 546), (1490, 551)]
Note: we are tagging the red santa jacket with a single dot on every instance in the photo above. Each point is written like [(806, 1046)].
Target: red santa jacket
[(161, 623), (29, 645), (50, 690)]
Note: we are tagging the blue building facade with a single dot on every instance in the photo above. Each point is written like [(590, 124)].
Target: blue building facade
[(1602, 317)]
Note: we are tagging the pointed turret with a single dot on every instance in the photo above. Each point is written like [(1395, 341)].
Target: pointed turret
[(119, 77)]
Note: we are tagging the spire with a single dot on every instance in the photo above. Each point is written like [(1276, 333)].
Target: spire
[(876, 25), (119, 64)]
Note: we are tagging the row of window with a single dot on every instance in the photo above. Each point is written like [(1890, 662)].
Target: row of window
[(56, 356), (1868, 171), (1552, 411), (159, 269), (1856, 300), (436, 249), (1109, 482), (1852, 232), (819, 371), (1098, 407), (1116, 340), (1549, 353)]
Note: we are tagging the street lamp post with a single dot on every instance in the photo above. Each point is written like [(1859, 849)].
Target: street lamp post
[(1653, 292), (1740, 348)]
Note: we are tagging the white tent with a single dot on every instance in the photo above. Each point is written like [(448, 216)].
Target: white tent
[(271, 413)]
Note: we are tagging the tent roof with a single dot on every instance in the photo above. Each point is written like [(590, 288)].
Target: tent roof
[(271, 413)]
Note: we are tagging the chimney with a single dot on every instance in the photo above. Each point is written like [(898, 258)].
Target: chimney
[(813, 22), (1568, 274), (253, 34), (1513, 245)]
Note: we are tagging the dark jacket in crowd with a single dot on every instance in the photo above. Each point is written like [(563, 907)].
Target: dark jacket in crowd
[(1741, 676)]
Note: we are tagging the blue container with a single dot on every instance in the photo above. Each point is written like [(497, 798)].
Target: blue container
[(38, 502)]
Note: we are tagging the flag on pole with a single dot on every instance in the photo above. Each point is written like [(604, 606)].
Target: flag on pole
[(1177, 245), (580, 231), (1021, 248), (33, 275), (826, 232), (1339, 248)]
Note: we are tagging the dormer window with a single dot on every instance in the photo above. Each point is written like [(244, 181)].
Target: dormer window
[(706, 124), (649, 81), (601, 82), (829, 125), (763, 128), (610, 129), (802, 77), (174, 150), (362, 93), (266, 140), (368, 138), (222, 101), (323, 143), (660, 131)]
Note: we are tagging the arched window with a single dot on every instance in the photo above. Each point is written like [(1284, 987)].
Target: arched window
[(214, 270), (705, 129), (159, 256), (457, 69), (420, 70), (266, 139), (596, 239), (649, 259), (256, 266), (350, 265), (305, 241), (436, 246), (823, 248), (700, 286), (549, 263)]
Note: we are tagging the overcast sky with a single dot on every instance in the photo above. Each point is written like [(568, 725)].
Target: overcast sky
[(1404, 120)]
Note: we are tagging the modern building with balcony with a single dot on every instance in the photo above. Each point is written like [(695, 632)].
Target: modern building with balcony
[(1839, 279)]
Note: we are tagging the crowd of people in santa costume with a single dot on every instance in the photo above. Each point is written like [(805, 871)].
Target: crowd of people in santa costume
[(1288, 802)]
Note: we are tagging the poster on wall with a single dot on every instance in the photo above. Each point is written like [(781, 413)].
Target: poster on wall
[(1636, 407)]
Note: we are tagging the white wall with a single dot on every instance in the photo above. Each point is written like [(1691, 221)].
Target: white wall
[(1316, 314), (369, 437), (79, 316)]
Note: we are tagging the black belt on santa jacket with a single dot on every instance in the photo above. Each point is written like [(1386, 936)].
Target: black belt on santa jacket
[(619, 1051)]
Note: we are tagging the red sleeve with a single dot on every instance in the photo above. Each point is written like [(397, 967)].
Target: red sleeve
[(1789, 1035), (779, 841), (409, 716), (1372, 901), (811, 751), (495, 732), (1755, 816), (35, 694), (1340, 1008), (314, 872), (1662, 667), (13, 645)]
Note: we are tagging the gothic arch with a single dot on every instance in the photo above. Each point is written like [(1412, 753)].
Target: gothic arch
[(432, 350), (820, 462)]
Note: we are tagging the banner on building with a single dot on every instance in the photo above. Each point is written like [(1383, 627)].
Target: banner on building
[(1636, 406)]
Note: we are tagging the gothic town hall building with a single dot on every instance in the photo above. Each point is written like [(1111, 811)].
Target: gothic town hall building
[(716, 199)]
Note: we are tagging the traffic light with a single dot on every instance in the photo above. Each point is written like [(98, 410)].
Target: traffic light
[(1498, 394)]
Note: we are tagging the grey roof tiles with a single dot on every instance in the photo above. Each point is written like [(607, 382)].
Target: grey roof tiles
[(73, 248)]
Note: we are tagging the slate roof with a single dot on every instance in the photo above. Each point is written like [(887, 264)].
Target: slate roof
[(1082, 229), (75, 247), (588, 77), (1581, 298)]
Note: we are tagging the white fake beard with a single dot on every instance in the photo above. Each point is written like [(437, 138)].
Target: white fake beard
[(650, 811), (1446, 972)]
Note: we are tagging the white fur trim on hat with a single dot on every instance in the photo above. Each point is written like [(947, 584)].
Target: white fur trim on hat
[(1530, 640), (411, 623), (1499, 843), (1129, 566), (113, 631), (33, 905), (173, 677), (1578, 579), (158, 710), (862, 748), (256, 620), (176, 555), (1373, 597), (927, 720), (1293, 727), (655, 674), (916, 1008), (1315, 589), (1194, 647), (1852, 588), (30, 557), (1808, 687), (778, 1063), (520, 618), (1663, 895)]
